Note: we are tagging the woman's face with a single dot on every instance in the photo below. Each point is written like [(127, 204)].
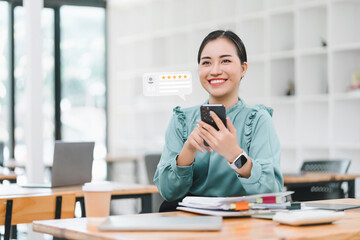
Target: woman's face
[(220, 68)]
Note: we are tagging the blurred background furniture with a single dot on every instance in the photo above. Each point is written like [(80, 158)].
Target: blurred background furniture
[(151, 162), (27, 208), (321, 190)]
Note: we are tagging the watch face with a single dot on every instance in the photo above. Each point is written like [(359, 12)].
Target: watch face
[(240, 161)]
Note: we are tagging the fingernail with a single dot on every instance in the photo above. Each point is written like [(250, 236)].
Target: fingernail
[(198, 120), (197, 125), (211, 112)]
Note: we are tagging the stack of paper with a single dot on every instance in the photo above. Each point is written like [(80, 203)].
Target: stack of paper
[(235, 206)]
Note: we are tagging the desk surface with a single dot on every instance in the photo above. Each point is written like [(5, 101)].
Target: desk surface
[(236, 228), (8, 176), (319, 177), (120, 189)]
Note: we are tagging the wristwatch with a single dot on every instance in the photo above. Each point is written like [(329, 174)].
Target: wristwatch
[(239, 161)]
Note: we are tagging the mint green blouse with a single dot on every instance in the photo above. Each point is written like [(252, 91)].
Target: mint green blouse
[(210, 174)]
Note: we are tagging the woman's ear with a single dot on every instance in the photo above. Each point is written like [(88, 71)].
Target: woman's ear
[(244, 67)]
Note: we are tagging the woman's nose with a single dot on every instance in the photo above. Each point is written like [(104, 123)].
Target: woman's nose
[(216, 69)]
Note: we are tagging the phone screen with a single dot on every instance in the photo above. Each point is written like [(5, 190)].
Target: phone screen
[(220, 111)]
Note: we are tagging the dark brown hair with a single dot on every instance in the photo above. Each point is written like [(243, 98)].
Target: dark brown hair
[(239, 45)]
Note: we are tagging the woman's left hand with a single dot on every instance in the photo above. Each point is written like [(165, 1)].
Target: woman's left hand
[(223, 141)]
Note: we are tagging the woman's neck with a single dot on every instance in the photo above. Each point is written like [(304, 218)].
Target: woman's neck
[(228, 102)]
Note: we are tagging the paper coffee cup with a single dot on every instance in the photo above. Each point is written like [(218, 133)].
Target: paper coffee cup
[(97, 199)]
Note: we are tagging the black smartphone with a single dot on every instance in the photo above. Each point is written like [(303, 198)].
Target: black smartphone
[(220, 111)]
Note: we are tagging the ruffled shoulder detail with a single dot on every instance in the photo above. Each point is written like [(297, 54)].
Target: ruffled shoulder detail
[(249, 122), (181, 121)]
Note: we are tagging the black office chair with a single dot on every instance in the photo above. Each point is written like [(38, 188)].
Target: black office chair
[(2, 154), (320, 191), (151, 162)]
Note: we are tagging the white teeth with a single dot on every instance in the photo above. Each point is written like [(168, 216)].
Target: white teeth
[(216, 81)]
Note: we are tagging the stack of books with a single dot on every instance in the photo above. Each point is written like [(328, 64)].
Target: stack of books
[(236, 206)]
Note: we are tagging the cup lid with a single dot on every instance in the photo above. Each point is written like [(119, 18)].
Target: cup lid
[(98, 186)]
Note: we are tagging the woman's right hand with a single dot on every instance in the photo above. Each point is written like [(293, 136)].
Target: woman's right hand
[(191, 145), (196, 142)]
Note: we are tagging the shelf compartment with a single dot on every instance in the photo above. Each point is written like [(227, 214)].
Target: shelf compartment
[(177, 49), (246, 6), (253, 85), (314, 123), (353, 155), (281, 32), (275, 4), (313, 79), (252, 32), (285, 119), (346, 115), (288, 161), (345, 22), (281, 76), (312, 27), (315, 98), (344, 64), (311, 153), (353, 95), (202, 11), (197, 37)]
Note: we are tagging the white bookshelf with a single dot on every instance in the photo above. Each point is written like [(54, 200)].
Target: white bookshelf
[(285, 41)]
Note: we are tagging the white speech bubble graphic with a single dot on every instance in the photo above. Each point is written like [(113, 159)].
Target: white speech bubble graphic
[(167, 84)]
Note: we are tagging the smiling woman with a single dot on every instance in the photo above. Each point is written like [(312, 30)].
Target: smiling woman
[(186, 168)]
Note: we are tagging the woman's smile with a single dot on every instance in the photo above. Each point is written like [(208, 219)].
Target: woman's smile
[(217, 81)]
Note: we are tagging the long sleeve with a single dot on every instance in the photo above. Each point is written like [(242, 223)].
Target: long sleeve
[(264, 151), (210, 174), (173, 181)]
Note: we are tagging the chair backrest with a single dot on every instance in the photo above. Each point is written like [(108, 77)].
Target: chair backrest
[(340, 166), (151, 162), (26, 209), (2, 154)]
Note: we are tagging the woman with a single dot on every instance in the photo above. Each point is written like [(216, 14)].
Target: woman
[(188, 167)]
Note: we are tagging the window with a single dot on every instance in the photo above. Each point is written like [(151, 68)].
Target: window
[(4, 69), (83, 115), (74, 76)]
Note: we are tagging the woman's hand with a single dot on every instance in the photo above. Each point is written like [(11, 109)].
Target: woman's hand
[(193, 143), (196, 142), (223, 141)]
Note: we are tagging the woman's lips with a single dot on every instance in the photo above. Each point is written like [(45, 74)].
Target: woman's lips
[(216, 81)]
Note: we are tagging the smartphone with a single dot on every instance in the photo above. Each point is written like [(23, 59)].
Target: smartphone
[(220, 111)]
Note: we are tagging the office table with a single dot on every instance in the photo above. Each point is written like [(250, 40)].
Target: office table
[(314, 178), (234, 228), (8, 176), (121, 191)]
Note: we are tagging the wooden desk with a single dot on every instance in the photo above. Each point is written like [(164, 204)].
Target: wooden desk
[(314, 178), (235, 228), (122, 191), (12, 164), (8, 176)]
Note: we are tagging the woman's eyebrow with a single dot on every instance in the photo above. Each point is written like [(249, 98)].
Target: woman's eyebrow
[(225, 55), (206, 57)]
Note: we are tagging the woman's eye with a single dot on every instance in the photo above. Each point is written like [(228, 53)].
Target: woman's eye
[(205, 63), (226, 61)]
